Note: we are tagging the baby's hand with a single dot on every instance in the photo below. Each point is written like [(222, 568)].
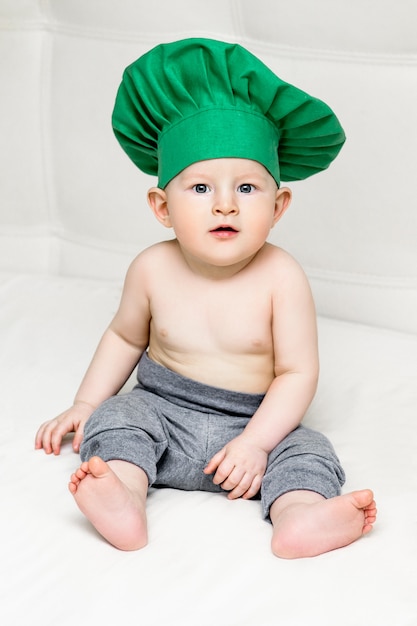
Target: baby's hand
[(239, 468), (51, 433)]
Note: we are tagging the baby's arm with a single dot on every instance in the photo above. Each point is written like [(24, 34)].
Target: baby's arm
[(114, 360), (240, 466)]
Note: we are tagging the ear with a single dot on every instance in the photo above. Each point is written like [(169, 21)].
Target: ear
[(157, 200), (282, 202)]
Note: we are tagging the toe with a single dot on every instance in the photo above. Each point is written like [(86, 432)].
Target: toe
[(98, 467), (79, 474), (363, 499)]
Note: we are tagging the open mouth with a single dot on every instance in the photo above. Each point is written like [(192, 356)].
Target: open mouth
[(224, 229)]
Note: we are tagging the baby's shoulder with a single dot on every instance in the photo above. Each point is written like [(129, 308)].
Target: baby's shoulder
[(153, 266), (284, 273), (280, 261), (159, 253)]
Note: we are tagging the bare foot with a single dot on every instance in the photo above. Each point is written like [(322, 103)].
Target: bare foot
[(305, 524), (113, 497)]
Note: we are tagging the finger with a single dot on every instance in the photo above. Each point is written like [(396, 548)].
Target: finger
[(58, 433), (43, 438), (241, 487), (234, 479), (254, 488), (39, 437), (214, 462), (223, 471), (56, 444), (247, 488), (78, 437)]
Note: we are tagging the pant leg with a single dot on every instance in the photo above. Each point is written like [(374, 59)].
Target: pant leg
[(128, 428), (304, 460)]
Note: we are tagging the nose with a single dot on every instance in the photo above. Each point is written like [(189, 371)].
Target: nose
[(225, 204)]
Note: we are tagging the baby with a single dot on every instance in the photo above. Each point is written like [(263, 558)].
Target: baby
[(220, 323)]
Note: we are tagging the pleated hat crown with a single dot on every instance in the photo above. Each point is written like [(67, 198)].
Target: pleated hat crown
[(199, 99)]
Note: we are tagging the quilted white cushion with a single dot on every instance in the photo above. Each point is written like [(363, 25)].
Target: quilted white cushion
[(71, 203)]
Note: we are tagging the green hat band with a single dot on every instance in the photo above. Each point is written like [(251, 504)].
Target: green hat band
[(214, 134)]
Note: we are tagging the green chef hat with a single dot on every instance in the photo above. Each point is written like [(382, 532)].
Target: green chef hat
[(199, 99)]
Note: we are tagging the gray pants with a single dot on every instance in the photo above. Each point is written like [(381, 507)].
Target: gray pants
[(171, 426)]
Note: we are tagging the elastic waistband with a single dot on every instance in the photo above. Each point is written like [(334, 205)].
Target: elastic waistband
[(192, 394)]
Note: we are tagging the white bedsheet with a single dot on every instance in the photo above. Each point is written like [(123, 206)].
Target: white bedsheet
[(208, 560)]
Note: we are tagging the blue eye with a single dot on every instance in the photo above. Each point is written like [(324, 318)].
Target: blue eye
[(201, 188), (246, 188)]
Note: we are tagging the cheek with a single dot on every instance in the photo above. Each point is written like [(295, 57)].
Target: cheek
[(261, 225), (185, 228)]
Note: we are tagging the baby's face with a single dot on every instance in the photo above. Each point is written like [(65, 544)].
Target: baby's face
[(222, 210)]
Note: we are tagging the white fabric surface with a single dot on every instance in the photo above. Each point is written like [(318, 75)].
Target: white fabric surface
[(72, 215)]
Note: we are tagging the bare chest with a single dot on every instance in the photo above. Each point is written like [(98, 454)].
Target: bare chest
[(232, 318)]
